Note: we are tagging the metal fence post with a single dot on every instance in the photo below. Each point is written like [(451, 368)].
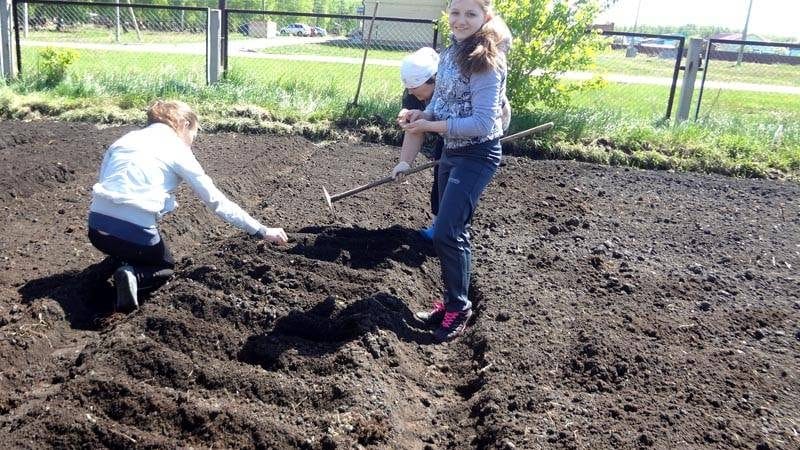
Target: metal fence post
[(25, 20), (675, 73), (366, 49), (689, 77), (7, 63), (223, 6), (213, 46), (117, 24)]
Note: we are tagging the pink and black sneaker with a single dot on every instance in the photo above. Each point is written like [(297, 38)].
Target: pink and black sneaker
[(433, 317), (453, 325)]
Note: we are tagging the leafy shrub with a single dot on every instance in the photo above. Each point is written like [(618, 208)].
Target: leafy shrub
[(52, 65), (550, 38)]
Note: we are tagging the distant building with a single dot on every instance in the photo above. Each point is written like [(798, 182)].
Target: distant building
[(763, 49), (410, 35), (603, 26)]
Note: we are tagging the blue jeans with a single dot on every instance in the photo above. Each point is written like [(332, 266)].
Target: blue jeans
[(463, 176)]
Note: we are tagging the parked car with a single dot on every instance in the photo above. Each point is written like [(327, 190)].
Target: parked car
[(355, 35), (296, 29), (318, 31)]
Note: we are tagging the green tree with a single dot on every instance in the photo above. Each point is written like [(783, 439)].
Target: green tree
[(550, 38)]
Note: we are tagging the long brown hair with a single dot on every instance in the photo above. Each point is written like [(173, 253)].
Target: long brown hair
[(480, 52)]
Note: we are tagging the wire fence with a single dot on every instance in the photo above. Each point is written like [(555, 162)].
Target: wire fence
[(122, 47), (306, 53), (747, 79), (634, 76), (324, 52), (117, 44), (751, 87)]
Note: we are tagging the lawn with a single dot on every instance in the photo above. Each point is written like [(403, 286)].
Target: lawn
[(614, 61), (99, 34), (342, 49), (300, 89), (738, 127)]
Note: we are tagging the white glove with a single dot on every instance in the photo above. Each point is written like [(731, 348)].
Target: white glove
[(274, 235), (505, 117), (402, 166)]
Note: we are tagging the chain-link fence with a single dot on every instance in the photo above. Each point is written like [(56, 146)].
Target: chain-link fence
[(116, 47), (302, 60), (124, 47), (753, 86), (323, 52), (633, 79)]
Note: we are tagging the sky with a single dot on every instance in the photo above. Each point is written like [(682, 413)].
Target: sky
[(770, 17)]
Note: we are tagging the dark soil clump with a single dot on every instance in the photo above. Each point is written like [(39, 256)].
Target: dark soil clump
[(615, 308)]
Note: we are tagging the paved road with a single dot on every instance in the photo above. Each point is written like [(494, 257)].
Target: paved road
[(251, 48)]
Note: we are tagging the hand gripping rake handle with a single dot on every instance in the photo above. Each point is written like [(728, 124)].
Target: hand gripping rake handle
[(330, 199)]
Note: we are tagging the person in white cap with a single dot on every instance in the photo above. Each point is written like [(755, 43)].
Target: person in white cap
[(418, 73)]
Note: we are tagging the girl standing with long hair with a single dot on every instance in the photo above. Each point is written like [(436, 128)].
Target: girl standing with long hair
[(466, 109)]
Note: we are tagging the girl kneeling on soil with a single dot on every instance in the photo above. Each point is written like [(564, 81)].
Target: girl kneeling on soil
[(137, 177), (466, 110)]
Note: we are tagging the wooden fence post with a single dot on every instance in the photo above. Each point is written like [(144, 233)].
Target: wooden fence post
[(693, 55), (8, 66), (366, 49), (214, 46)]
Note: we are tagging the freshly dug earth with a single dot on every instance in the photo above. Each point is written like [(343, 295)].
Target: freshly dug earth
[(615, 308)]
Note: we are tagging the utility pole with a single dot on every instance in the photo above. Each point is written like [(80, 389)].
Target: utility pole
[(636, 20), (631, 51), (744, 34)]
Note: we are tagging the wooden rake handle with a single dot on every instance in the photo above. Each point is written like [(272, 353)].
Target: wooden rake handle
[(375, 183), (332, 198)]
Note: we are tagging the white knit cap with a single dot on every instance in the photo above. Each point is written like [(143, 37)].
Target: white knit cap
[(419, 67)]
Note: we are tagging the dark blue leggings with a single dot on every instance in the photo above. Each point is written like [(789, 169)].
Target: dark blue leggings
[(153, 264), (436, 155)]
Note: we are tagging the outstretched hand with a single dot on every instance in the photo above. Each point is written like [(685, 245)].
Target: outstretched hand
[(274, 235)]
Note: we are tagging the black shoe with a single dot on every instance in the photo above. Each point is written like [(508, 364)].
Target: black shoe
[(453, 325), (433, 317), (125, 282)]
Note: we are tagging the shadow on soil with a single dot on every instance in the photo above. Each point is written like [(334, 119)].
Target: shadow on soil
[(360, 248), (324, 328), (86, 296)]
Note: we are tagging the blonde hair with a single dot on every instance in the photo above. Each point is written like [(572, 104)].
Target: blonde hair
[(175, 113), (482, 51)]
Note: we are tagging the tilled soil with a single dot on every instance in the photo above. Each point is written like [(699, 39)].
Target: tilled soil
[(615, 308)]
